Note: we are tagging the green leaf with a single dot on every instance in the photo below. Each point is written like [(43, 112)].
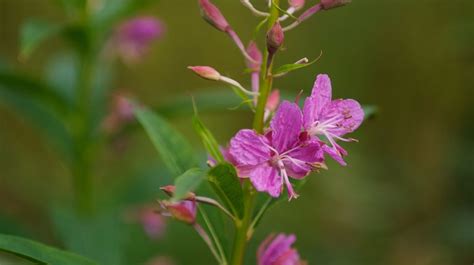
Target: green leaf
[(225, 182), (370, 111), (99, 236), (208, 139), (38, 252), (286, 68), (188, 182), (40, 106), (175, 151), (33, 32)]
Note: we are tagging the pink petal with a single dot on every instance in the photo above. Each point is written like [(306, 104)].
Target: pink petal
[(335, 154), (286, 126), (322, 92), (249, 148), (278, 247), (266, 178), (299, 165), (350, 113), (309, 112)]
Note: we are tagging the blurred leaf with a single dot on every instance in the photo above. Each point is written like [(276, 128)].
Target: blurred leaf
[(286, 68), (225, 182), (369, 111), (175, 151), (208, 101), (99, 236), (114, 10), (61, 74), (33, 32), (188, 182), (38, 252), (40, 106), (208, 139)]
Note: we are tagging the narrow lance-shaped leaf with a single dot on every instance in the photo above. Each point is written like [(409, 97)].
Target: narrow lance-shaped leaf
[(38, 252), (286, 68), (175, 151), (207, 139), (225, 182), (187, 182)]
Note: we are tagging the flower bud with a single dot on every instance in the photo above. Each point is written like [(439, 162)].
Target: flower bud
[(169, 190), (328, 4), (184, 211), (275, 38), (213, 15), (297, 4), (256, 55), (273, 101), (206, 72)]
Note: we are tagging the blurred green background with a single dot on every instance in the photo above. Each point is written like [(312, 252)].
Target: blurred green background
[(406, 197)]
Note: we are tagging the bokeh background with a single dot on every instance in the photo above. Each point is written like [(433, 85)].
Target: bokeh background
[(406, 197)]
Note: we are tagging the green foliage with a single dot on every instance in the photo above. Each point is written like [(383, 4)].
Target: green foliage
[(38, 252), (188, 182), (370, 111), (176, 153), (225, 182), (99, 236), (207, 139), (33, 32), (286, 68)]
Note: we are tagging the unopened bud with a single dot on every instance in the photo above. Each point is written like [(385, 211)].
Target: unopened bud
[(213, 15), (296, 4), (169, 190), (256, 55), (328, 4), (273, 100), (275, 38), (206, 72), (184, 211)]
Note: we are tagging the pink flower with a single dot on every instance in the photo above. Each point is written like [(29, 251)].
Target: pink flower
[(120, 113), (330, 118), (277, 251), (133, 38), (269, 160), (275, 38), (296, 3)]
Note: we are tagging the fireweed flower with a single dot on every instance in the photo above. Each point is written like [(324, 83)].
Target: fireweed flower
[(276, 250), (332, 119), (133, 38), (120, 113), (269, 160)]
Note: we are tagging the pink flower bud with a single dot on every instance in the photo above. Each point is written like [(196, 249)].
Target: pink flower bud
[(206, 72), (213, 15), (169, 190), (184, 211), (275, 38), (297, 4), (256, 55), (328, 4), (273, 100)]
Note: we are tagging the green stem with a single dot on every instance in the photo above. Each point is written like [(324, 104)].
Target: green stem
[(240, 239)]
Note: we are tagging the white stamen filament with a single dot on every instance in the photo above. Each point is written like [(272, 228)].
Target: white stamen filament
[(255, 11), (290, 11)]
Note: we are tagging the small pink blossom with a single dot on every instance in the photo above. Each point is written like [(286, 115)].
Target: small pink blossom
[(153, 223), (120, 113), (276, 250), (133, 38), (329, 118), (270, 160)]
